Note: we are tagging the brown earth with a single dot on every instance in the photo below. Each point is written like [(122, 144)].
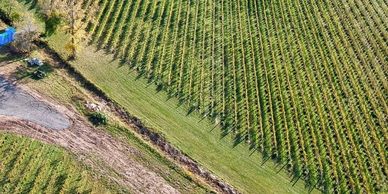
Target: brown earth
[(105, 154)]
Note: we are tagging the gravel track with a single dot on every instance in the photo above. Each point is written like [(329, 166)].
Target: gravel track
[(18, 103)]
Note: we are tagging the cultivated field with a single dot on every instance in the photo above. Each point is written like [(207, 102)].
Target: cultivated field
[(303, 83), (30, 166)]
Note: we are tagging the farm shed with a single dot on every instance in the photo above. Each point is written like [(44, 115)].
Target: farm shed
[(7, 36)]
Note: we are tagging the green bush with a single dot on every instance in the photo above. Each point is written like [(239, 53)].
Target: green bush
[(52, 23), (98, 118), (38, 74)]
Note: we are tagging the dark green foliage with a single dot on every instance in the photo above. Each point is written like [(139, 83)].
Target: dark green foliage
[(5, 17), (98, 118), (38, 74), (52, 23)]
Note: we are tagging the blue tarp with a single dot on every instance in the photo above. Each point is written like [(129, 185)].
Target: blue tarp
[(7, 36)]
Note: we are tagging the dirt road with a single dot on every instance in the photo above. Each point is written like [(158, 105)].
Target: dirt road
[(18, 103), (29, 114)]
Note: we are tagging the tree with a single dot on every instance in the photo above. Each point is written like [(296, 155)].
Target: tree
[(8, 7), (52, 23), (9, 13), (25, 37), (76, 22), (50, 7), (51, 11), (74, 18)]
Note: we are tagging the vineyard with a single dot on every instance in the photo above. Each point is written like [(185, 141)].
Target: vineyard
[(303, 83), (28, 166)]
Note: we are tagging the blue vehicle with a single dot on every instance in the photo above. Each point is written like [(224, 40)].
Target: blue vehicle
[(7, 36)]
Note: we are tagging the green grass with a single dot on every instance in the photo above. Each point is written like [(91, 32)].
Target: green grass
[(64, 90), (28, 165), (67, 91), (6, 56), (304, 83), (196, 137), (26, 11)]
